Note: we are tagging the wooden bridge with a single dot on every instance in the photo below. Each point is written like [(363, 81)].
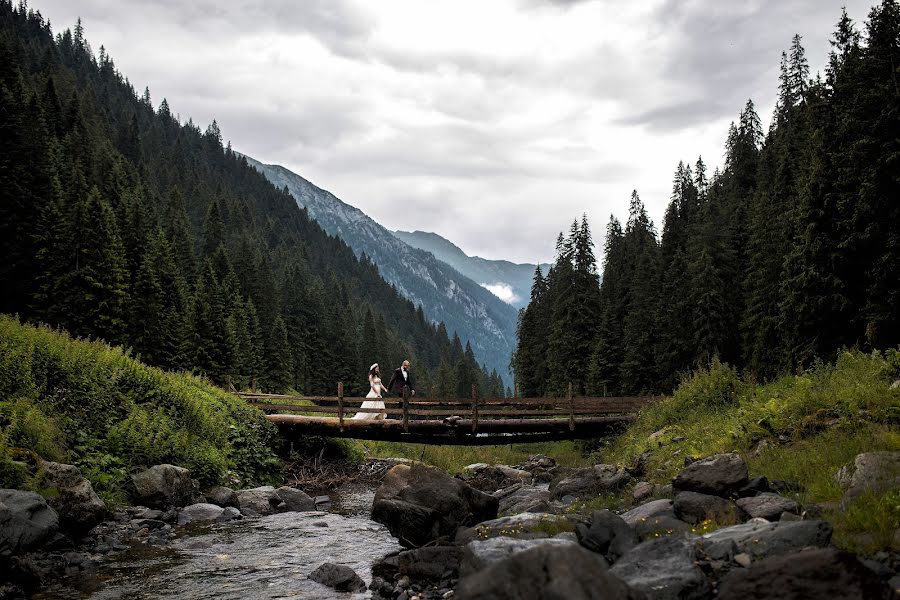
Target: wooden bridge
[(472, 421)]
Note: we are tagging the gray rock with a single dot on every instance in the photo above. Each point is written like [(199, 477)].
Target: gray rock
[(813, 574), (870, 471), (524, 525), (607, 534), (490, 478), (162, 486), (654, 527), (294, 500), (420, 504), (263, 500), (479, 554), (525, 499), (591, 481), (546, 572), (720, 475), (221, 495), (26, 522), (761, 539), (71, 496), (197, 513), (142, 512), (755, 486), (768, 506), (229, 513), (339, 577), (693, 508), (654, 508), (664, 569), (642, 491)]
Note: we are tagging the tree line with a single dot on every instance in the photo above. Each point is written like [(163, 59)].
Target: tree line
[(120, 222), (786, 255)]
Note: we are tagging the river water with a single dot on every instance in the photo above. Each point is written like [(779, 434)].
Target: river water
[(266, 557)]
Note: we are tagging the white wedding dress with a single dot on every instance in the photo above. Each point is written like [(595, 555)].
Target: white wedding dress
[(375, 391)]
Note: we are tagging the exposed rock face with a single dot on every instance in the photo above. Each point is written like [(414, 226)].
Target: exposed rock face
[(294, 500), (870, 471), (547, 571), (591, 481), (718, 475), (693, 508), (263, 500), (607, 534), (664, 569), (72, 497), (761, 539), (223, 496), (340, 577), (525, 525), (420, 504), (26, 522), (163, 486), (768, 506), (819, 573)]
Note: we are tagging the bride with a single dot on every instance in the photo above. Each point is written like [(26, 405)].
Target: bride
[(375, 391)]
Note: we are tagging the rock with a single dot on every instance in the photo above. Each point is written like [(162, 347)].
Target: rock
[(229, 513), (694, 508), (870, 471), (655, 527), (71, 496), (432, 563), (524, 525), (142, 512), (760, 448), (591, 481), (339, 577), (525, 499), (26, 522), (607, 534), (743, 559), (223, 496), (200, 512), (479, 554), (719, 475), (547, 571), (262, 500), (894, 583), (664, 569), (490, 478), (654, 508), (755, 486), (162, 486), (761, 539), (294, 500), (420, 504), (639, 465), (642, 491), (819, 573), (768, 506)]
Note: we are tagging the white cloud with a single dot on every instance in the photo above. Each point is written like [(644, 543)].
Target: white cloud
[(503, 291)]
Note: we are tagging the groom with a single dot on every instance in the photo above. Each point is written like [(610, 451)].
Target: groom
[(402, 379)]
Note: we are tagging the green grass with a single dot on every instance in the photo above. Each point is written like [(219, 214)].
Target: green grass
[(95, 406)]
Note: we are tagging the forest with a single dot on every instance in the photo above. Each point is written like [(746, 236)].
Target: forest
[(777, 261), (120, 222)]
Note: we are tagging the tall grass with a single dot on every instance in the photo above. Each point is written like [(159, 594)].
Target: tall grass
[(93, 405)]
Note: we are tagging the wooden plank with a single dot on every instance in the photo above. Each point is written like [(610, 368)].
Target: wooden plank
[(442, 412), (578, 400), (492, 425)]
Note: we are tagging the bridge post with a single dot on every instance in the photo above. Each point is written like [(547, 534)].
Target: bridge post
[(406, 409), (571, 409), (341, 405), (474, 408)]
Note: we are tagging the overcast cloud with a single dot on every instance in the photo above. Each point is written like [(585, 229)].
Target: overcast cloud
[(493, 124)]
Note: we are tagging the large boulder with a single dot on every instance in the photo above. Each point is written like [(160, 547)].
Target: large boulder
[(340, 577), (767, 505), (26, 522), (693, 508), (490, 478), (200, 513), (655, 519), (162, 486), (761, 539), (480, 554), (221, 495), (71, 496), (591, 481), (420, 504), (664, 569), (654, 508), (524, 525), (810, 575), (607, 534), (294, 500), (522, 499), (263, 500), (547, 571), (870, 471), (719, 475)]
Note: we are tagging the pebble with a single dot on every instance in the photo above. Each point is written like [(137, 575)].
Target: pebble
[(743, 559)]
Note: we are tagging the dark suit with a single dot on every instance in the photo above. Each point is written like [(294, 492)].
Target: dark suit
[(398, 382)]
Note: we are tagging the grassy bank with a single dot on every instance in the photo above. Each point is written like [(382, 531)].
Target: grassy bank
[(95, 406)]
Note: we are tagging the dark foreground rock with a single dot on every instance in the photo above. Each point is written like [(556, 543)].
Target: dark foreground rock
[(71, 496), (694, 507), (523, 526), (664, 569), (420, 504), (481, 554), (718, 475), (221, 495), (607, 535), (263, 500), (568, 572), (523, 498), (767, 505), (591, 481), (810, 575), (163, 486), (760, 539), (26, 522), (340, 577)]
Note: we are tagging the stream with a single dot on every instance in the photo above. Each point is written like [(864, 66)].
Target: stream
[(266, 557)]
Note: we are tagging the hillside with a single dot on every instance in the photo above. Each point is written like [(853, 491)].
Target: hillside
[(118, 221), (509, 281), (464, 307)]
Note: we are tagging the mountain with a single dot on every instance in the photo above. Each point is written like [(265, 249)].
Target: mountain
[(444, 294), (511, 282)]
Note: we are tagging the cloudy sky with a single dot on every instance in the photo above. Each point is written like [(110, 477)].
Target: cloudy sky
[(493, 123)]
